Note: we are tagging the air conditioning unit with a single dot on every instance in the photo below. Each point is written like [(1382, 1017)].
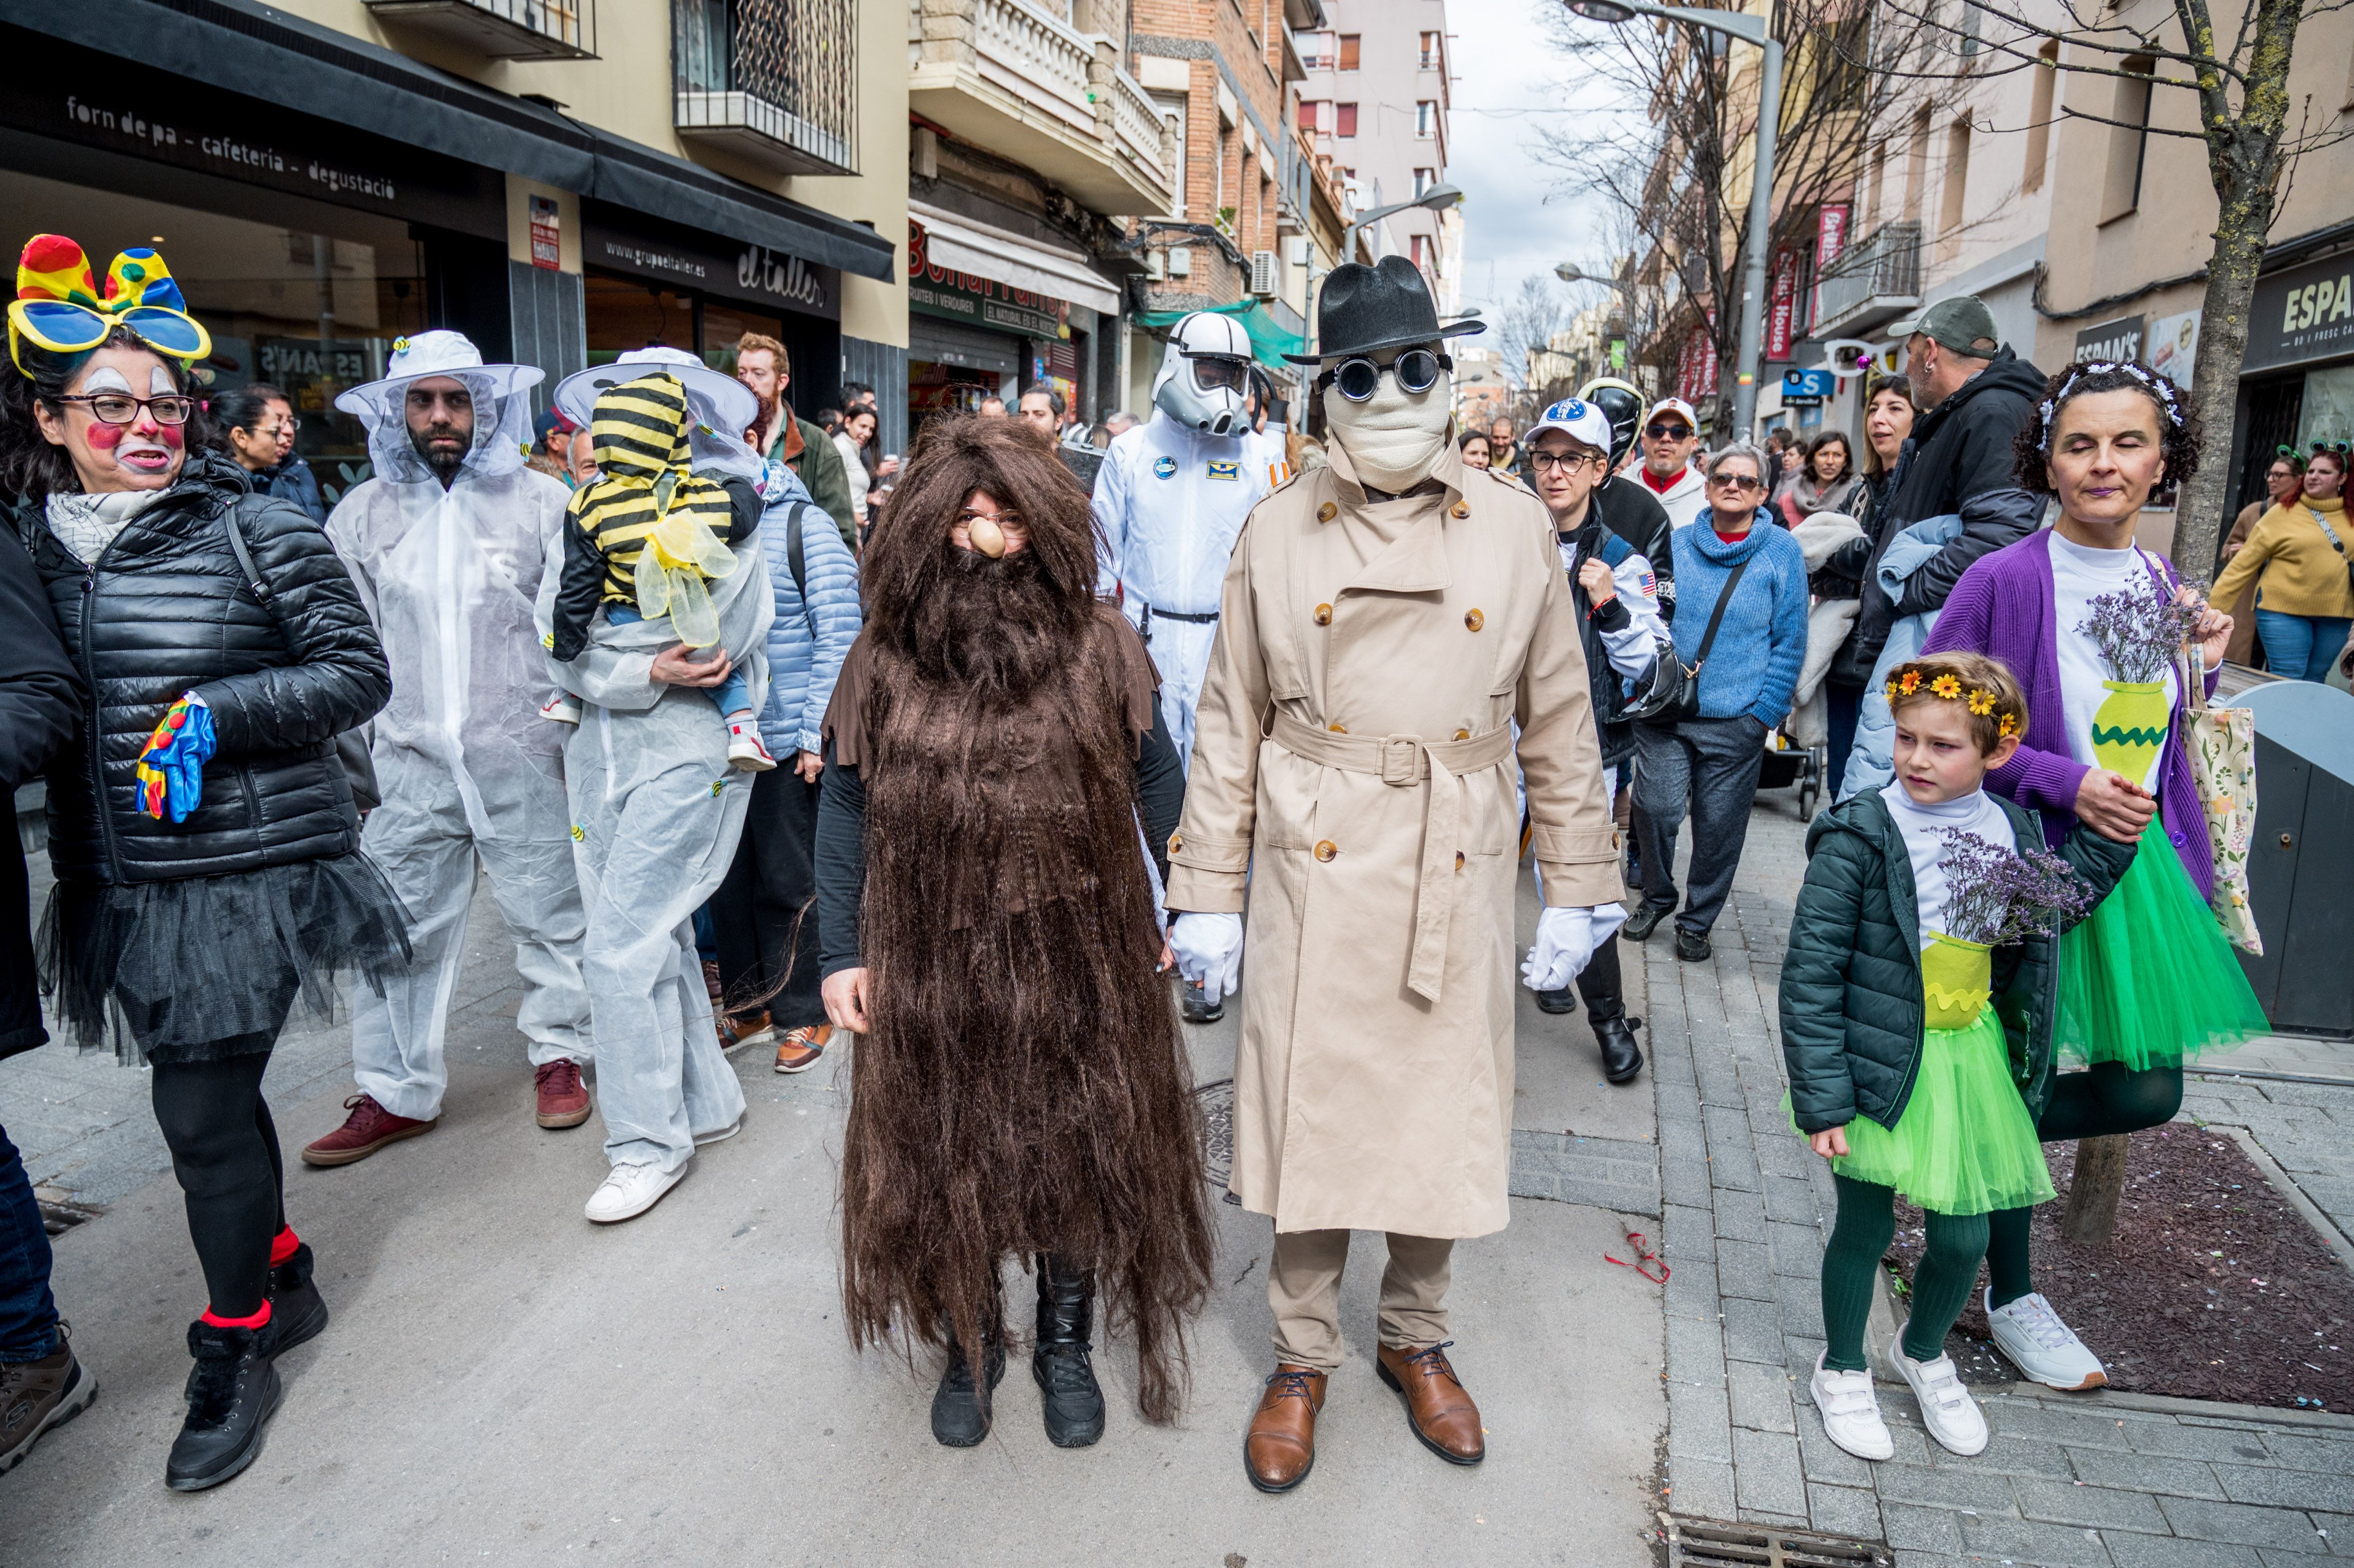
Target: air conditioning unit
[(1298, 245), (1267, 279), (1181, 260)]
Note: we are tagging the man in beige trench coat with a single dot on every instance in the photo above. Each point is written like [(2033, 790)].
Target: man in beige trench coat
[(1385, 623)]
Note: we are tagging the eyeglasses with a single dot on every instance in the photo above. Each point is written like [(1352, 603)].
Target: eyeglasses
[(1416, 371), (1743, 482), (1568, 462), (121, 409), (1664, 431)]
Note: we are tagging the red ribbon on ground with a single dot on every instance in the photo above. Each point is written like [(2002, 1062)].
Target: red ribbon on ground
[(1645, 1258)]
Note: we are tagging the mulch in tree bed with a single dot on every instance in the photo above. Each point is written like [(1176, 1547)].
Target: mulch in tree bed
[(2214, 1288)]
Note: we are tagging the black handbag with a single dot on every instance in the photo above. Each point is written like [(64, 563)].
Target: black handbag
[(351, 745), (1673, 691)]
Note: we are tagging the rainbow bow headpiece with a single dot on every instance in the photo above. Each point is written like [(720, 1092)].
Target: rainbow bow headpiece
[(59, 306)]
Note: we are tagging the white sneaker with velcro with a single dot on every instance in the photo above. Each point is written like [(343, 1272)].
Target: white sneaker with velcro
[(1949, 1412), (1852, 1412)]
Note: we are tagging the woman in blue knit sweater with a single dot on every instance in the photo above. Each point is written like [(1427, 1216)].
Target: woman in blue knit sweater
[(1709, 764)]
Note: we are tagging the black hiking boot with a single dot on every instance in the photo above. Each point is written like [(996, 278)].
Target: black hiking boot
[(1074, 1402)]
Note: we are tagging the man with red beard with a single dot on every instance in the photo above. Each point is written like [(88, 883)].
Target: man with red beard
[(986, 926)]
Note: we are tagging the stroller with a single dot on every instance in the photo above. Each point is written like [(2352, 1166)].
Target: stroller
[(1787, 763)]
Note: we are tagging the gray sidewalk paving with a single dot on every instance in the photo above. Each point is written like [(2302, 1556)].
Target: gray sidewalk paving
[(2106, 1480)]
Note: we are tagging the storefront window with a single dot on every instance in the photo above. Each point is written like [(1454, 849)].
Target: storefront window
[(2329, 411), (313, 312), (624, 315)]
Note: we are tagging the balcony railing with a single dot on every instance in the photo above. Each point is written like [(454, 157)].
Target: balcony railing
[(774, 81), (501, 29), (1872, 284)]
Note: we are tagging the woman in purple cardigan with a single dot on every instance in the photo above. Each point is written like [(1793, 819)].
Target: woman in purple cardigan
[(2149, 980)]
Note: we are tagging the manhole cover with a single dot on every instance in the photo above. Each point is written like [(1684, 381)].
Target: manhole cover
[(1217, 1130), (1715, 1543)]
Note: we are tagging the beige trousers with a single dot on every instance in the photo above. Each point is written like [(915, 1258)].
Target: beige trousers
[(1303, 1287)]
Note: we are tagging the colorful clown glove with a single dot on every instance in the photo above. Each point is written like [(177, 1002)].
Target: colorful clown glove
[(172, 767)]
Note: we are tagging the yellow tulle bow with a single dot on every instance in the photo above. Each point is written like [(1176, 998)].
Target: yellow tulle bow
[(680, 556)]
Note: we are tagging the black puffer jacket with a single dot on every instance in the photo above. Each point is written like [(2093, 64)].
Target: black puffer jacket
[(1851, 1007), (165, 610)]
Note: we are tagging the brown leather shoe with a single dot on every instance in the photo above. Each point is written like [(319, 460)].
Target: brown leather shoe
[(368, 1128), (1279, 1449), (797, 1052), (563, 1098), (1440, 1412), (37, 1395), (754, 1028)]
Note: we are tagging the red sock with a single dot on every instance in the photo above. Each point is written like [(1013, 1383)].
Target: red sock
[(283, 1245), (256, 1321)]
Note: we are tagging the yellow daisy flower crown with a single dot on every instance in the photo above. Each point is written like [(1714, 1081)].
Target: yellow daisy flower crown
[(1981, 701)]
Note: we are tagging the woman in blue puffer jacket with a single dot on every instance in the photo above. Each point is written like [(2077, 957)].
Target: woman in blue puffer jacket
[(767, 952)]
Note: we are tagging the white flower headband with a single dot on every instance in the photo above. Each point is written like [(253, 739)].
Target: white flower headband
[(2159, 388)]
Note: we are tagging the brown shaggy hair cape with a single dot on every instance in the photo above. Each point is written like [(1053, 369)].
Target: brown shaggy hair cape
[(1024, 1090)]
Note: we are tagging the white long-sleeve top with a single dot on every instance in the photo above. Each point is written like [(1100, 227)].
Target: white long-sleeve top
[(1171, 504)]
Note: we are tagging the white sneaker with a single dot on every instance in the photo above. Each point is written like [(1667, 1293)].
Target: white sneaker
[(1852, 1412), (629, 1190), (746, 750), (562, 709), (1949, 1412), (2039, 1345)]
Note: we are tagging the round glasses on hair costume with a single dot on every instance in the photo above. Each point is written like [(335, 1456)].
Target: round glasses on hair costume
[(59, 306), (1357, 379)]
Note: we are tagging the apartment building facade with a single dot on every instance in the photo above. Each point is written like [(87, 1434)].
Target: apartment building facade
[(1376, 101), (561, 179)]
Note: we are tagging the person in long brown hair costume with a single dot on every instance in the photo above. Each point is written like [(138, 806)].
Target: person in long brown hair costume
[(986, 926)]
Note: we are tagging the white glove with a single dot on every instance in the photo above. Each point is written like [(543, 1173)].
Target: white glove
[(1566, 940), (1209, 949)]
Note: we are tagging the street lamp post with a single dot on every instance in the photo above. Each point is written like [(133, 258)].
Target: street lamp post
[(1749, 356)]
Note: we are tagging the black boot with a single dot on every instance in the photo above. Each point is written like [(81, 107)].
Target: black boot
[(1074, 1404), (961, 1408), (1644, 921), (232, 1391), (296, 1310), (1621, 1057), (1558, 1001)]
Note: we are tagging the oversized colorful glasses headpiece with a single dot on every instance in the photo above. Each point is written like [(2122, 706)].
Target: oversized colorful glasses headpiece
[(59, 306)]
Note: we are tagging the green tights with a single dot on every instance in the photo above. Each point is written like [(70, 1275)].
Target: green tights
[(1941, 1286), (2105, 1099)]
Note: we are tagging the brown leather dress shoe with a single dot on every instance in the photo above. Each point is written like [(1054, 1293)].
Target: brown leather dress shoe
[(368, 1128), (1440, 1412), (1280, 1448)]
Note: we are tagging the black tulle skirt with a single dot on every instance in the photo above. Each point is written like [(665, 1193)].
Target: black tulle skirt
[(204, 968)]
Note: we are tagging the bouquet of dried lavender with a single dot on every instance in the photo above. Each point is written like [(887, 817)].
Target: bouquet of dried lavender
[(2139, 633), (1997, 896)]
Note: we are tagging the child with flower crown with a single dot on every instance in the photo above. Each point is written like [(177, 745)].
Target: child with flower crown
[(1917, 1007)]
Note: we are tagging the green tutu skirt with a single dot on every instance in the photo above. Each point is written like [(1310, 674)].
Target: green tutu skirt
[(2148, 979), (1965, 1144)]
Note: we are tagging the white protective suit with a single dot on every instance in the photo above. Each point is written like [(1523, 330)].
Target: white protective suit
[(656, 813), (467, 769), (1171, 504)]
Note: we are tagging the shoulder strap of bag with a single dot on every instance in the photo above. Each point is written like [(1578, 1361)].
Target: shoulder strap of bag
[(237, 546), (795, 559), (1716, 616), (2188, 671), (2315, 513)]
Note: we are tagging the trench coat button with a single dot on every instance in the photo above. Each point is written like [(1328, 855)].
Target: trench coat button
[(1323, 615), (1326, 513), (1462, 735), (1461, 509), (1614, 840), (1338, 729), (1458, 860), (1325, 850), (1475, 620), (1176, 842)]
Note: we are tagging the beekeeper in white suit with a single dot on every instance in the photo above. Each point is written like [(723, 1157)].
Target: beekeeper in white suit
[(657, 808), (446, 544)]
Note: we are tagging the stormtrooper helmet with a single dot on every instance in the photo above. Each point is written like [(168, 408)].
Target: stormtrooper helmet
[(1204, 373)]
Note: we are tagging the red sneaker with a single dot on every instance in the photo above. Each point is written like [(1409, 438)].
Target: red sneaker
[(368, 1128), (563, 1098)]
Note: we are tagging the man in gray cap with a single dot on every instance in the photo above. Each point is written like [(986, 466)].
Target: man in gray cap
[(1976, 395)]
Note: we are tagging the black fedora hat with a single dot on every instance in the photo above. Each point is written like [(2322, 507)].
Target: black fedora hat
[(1363, 308)]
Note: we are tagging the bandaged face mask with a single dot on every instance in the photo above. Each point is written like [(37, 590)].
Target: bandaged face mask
[(1395, 438)]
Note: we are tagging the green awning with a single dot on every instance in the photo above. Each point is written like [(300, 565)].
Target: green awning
[(1269, 340)]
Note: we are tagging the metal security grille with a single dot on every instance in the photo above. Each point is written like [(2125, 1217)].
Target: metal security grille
[(800, 57), (1714, 1543)]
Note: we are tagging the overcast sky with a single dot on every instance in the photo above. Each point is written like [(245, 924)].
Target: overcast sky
[(1518, 216)]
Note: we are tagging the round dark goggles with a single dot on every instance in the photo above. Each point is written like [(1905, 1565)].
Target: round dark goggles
[(1416, 371)]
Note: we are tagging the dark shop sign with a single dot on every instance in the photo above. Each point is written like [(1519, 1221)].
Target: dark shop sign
[(2305, 314), (2119, 339), (613, 240)]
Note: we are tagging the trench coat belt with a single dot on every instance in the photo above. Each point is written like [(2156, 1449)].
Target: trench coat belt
[(1405, 760)]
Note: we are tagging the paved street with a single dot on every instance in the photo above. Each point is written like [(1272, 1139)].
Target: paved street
[(503, 1380)]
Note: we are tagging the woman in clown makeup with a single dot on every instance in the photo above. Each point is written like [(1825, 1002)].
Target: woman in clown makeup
[(202, 830)]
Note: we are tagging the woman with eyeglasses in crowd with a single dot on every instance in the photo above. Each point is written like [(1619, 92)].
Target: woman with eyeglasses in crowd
[(2296, 557), (201, 828), (257, 426), (1710, 764), (2284, 479)]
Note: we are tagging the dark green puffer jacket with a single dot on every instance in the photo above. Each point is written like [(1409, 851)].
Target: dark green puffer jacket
[(1851, 1007)]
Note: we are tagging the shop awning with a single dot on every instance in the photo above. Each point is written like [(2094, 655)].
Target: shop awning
[(256, 50), (961, 245), (1270, 339)]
